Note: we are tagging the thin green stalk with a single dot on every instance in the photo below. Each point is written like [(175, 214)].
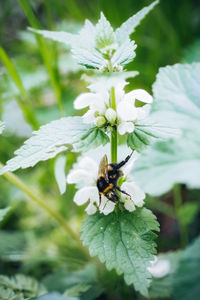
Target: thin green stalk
[(22, 186), (24, 102), (45, 52), (114, 130), (177, 204)]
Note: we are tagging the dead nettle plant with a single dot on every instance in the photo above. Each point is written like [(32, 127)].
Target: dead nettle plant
[(119, 229)]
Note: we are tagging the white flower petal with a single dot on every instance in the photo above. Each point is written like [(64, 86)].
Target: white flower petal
[(91, 209), (81, 177), (106, 206), (89, 116), (111, 115), (160, 267), (143, 112), (126, 110), (125, 127), (137, 195), (142, 95), (85, 194), (129, 205), (84, 100), (89, 164)]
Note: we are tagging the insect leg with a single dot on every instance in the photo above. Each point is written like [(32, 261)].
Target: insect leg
[(122, 163), (123, 192), (99, 199)]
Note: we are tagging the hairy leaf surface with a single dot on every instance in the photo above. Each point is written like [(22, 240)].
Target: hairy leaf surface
[(177, 94), (123, 32), (54, 138), (124, 242)]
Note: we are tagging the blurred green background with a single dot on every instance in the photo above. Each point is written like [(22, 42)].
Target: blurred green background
[(30, 240)]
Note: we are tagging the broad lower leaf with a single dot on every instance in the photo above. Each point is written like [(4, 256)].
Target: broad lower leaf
[(187, 277), (59, 172), (123, 32), (147, 133), (52, 139), (177, 101), (164, 164), (3, 212), (177, 96), (1, 127), (104, 33), (125, 242)]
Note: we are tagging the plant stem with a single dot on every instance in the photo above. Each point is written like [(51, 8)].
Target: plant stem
[(177, 204), (114, 129), (22, 186)]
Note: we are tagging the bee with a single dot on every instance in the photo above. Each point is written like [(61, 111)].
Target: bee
[(107, 179)]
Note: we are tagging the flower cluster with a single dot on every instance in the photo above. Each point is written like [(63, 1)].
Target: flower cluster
[(124, 116), (84, 175)]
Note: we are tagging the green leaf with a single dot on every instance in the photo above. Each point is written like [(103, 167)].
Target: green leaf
[(52, 139), (187, 277), (3, 212), (165, 164), (123, 32), (177, 101), (59, 172), (94, 138), (148, 133), (21, 284), (104, 33), (1, 127), (58, 36), (177, 96), (124, 53), (52, 296), (8, 294), (124, 242)]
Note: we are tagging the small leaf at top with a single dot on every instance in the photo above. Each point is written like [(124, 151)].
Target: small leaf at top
[(104, 33), (124, 242), (123, 32)]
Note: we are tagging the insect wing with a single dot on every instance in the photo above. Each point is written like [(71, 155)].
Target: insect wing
[(103, 167)]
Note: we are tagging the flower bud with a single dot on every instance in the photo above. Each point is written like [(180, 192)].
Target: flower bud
[(100, 121), (111, 115)]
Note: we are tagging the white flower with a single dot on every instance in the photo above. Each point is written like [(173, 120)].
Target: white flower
[(126, 113), (84, 175), (160, 267)]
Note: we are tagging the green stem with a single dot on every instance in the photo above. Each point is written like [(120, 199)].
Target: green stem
[(114, 129), (22, 186), (177, 204)]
